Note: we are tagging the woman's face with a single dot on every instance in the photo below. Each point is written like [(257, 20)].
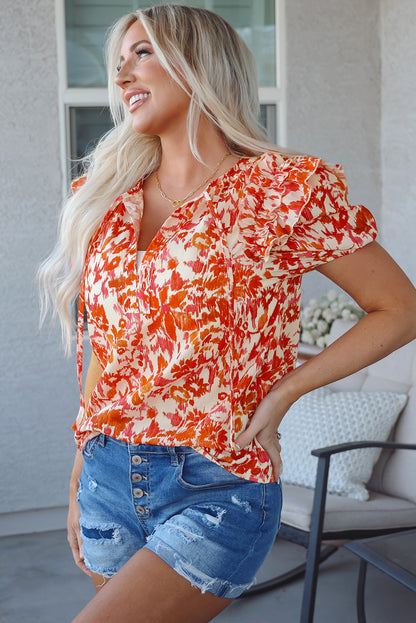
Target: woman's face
[(158, 105)]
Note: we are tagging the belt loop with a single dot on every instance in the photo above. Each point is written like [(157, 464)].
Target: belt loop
[(173, 456), (103, 440)]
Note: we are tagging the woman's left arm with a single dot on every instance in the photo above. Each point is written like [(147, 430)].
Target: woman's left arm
[(373, 279)]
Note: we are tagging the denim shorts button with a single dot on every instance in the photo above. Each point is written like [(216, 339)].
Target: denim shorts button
[(137, 460), (140, 509), (136, 477), (138, 493)]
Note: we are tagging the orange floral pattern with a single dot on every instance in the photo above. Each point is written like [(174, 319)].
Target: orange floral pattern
[(192, 341)]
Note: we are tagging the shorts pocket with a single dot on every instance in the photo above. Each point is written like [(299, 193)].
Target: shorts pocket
[(195, 472), (91, 446)]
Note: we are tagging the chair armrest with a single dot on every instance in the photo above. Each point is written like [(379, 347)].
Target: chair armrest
[(324, 456), (354, 445), (321, 482), (318, 511)]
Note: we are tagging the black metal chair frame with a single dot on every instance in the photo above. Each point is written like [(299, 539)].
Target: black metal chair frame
[(390, 567), (313, 539)]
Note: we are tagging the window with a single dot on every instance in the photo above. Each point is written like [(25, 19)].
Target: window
[(85, 113)]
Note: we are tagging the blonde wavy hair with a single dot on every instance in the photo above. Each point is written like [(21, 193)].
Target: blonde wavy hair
[(211, 62)]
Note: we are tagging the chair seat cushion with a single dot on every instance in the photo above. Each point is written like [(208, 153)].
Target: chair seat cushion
[(346, 514), (323, 418)]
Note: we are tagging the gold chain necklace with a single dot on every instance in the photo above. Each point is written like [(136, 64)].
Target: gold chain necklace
[(177, 203)]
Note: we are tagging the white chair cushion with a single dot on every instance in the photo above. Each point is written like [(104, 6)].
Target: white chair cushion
[(397, 373), (342, 513), (324, 418), (398, 474)]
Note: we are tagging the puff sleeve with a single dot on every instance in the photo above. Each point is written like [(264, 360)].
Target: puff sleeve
[(326, 227)]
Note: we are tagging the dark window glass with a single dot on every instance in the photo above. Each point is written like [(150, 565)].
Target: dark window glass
[(89, 123)]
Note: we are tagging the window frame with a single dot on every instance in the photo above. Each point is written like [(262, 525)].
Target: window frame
[(72, 97)]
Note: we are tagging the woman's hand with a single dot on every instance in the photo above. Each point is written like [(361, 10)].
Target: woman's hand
[(74, 514), (265, 423), (74, 533)]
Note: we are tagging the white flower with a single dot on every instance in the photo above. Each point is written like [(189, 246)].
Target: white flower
[(317, 317), (328, 315), (307, 313), (323, 327), (307, 337), (317, 314), (346, 314)]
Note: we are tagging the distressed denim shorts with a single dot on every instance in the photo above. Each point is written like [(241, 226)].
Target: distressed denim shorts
[(215, 529)]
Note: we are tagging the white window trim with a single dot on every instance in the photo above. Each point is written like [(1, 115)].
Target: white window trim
[(99, 97), (62, 82), (280, 91)]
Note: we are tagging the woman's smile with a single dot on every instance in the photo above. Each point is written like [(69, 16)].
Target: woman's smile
[(135, 98)]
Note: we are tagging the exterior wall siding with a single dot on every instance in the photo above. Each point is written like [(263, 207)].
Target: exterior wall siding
[(38, 386), (398, 131), (334, 96)]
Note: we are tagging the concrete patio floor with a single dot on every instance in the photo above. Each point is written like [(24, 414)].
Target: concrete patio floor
[(39, 583)]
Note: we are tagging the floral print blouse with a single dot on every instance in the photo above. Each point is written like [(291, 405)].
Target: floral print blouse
[(192, 341)]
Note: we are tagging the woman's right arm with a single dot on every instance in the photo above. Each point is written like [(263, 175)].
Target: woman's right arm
[(74, 537)]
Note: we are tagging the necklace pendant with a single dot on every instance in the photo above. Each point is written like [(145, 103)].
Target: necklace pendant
[(177, 204)]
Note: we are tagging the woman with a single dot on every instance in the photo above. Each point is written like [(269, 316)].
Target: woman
[(188, 238)]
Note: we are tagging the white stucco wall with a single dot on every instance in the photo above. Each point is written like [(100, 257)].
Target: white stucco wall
[(398, 21), (37, 385), (333, 95)]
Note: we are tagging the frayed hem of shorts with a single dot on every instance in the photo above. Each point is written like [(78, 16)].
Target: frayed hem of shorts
[(198, 579), (104, 572)]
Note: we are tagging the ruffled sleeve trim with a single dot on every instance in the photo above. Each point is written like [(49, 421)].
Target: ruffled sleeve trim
[(277, 190), (296, 214)]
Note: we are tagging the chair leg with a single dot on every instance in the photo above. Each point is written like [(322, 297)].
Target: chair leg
[(289, 576), (360, 592), (309, 588), (315, 540)]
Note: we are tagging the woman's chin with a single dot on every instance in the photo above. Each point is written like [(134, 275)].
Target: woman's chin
[(143, 126)]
